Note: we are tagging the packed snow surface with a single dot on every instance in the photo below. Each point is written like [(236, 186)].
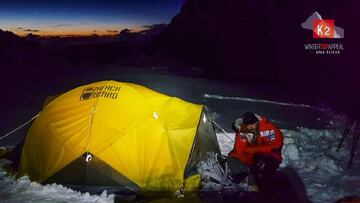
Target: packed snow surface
[(23, 190)]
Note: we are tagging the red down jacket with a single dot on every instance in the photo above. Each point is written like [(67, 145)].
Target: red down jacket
[(269, 142)]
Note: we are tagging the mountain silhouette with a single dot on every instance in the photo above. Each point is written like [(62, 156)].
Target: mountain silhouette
[(262, 41), (221, 36)]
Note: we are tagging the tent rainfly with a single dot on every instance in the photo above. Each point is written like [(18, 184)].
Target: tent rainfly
[(118, 135)]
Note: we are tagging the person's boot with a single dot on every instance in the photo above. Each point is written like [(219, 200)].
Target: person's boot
[(252, 186)]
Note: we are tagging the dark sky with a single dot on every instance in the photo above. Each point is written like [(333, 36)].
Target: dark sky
[(83, 17)]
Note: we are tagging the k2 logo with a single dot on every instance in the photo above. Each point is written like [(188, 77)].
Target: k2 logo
[(324, 28)]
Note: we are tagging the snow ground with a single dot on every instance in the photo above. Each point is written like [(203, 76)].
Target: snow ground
[(23, 190), (309, 151), (312, 153)]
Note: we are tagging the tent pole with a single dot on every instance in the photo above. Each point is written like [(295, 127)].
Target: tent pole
[(222, 129), (345, 133)]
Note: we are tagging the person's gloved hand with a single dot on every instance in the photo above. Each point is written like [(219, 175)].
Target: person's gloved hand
[(250, 138)]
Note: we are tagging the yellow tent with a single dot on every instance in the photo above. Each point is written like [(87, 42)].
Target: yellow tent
[(117, 134)]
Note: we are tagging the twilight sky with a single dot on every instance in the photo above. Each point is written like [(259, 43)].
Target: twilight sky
[(83, 17)]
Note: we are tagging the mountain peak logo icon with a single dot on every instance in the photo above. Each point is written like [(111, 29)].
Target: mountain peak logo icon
[(322, 28)]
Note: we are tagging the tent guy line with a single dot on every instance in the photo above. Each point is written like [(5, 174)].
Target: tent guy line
[(18, 128)]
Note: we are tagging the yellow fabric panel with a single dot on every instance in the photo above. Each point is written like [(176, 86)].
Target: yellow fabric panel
[(181, 119), (192, 183), (150, 151), (142, 155), (114, 117), (58, 136), (144, 135)]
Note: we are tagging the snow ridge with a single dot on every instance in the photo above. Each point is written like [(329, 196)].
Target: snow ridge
[(261, 101)]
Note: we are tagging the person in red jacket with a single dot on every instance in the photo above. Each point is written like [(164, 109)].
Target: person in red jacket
[(257, 151)]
